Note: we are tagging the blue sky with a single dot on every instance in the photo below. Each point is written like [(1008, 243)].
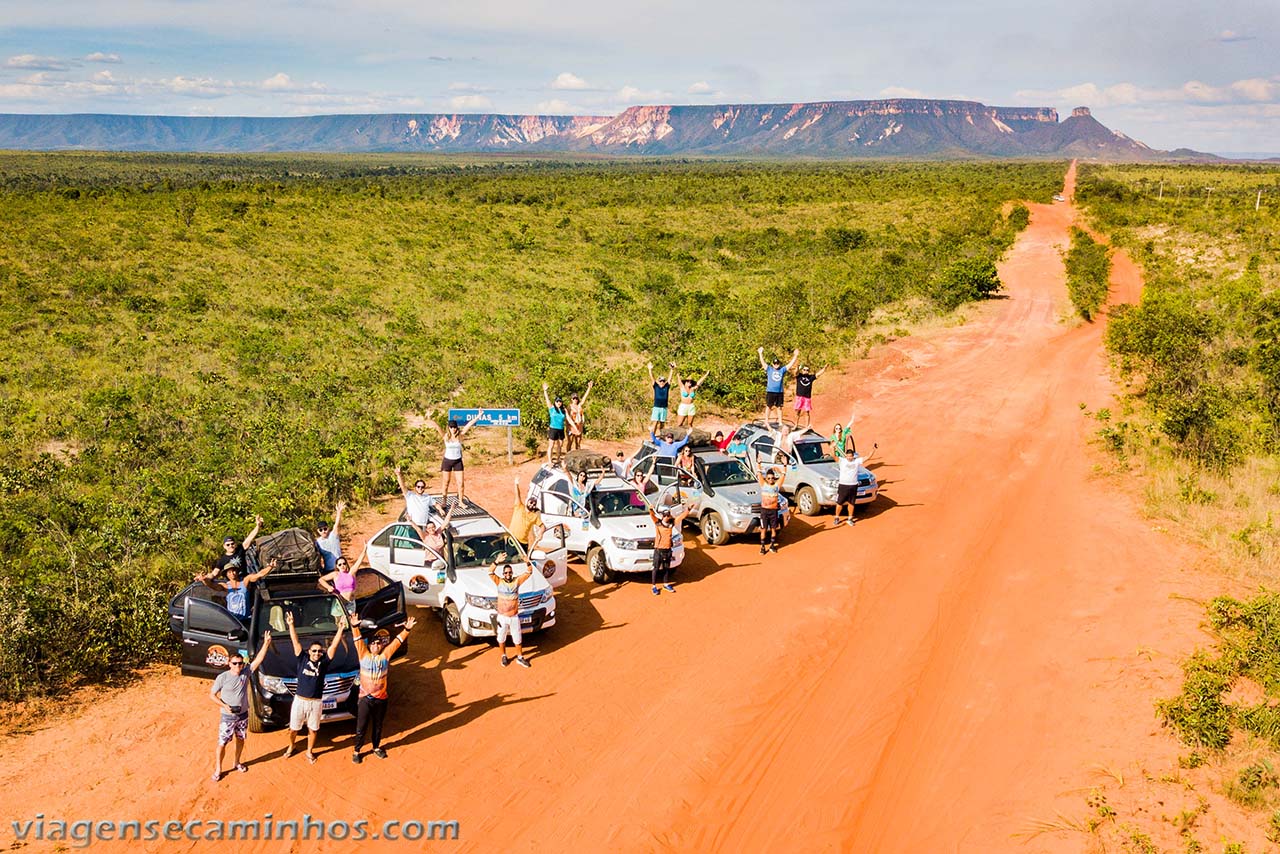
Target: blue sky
[(1170, 73)]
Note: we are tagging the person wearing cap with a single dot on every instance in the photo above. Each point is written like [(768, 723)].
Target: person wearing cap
[(328, 540), (661, 397), (526, 522), (577, 419), (775, 374), (804, 393), (508, 607), (557, 418), (417, 503), (237, 589), (308, 694), (231, 692), (375, 666), (847, 482), (770, 504), (451, 462), (233, 551), (665, 525), (667, 446)]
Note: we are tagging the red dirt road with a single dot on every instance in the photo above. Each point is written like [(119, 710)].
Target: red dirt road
[(935, 679)]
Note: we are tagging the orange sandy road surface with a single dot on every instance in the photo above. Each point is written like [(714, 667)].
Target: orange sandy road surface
[(934, 679)]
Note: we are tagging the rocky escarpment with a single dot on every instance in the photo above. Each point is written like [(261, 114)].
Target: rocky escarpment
[(893, 127)]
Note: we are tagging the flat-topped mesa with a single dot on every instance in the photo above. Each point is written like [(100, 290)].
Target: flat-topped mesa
[(1026, 114), (1080, 113)]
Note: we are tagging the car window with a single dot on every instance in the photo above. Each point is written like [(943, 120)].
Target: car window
[(383, 539), (311, 614), (814, 452), (481, 549), (619, 502), (728, 473), (212, 620)]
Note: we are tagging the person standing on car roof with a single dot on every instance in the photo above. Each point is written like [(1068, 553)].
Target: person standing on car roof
[(233, 552), (328, 540), (688, 391), (237, 590), (775, 374), (451, 434), (804, 393), (665, 524), (770, 505), (661, 397), (577, 420), (231, 692), (526, 522), (557, 419), (508, 607), (417, 504), (308, 695), (375, 666)]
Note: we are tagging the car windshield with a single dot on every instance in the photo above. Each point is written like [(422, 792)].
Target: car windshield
[(728, 473), (312, 615), (814, 452), (619, 502), (480, 550)]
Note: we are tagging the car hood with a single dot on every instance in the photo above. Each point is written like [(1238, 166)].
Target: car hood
[(280, 660), (747, 493)]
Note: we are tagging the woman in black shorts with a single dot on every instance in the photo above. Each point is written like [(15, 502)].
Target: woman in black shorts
[(452, 460), (770, 505), (557, 417)]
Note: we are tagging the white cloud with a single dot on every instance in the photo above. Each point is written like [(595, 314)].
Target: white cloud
[(1254, 89), (469, 102), (900, 92), (566, 80), (470, 88), (1229, 36), (278, 81), (632, 95), (103, 76), (31, 62), (98, 56), (555, 107), (702, 87)]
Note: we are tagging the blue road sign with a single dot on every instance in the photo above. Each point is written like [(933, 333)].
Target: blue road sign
[(486, 417)]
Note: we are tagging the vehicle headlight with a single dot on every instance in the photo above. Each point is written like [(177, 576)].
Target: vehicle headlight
[(487, 603), (273, 684), (740, 509), (627, 545), (830, 482)]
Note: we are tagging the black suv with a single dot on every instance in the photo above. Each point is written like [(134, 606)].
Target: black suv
[(211, 634)]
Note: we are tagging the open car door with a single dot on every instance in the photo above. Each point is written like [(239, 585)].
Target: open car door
[(554, 564), (411, 563), (210, 636), (380, 604)]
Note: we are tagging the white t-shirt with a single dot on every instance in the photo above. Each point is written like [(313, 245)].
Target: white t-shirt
[(330, 549), (453, 449), (620, 468), (849, 470), (417, 507)]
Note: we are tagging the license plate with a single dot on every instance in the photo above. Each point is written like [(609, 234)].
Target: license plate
[(329, 705), (526, 621)]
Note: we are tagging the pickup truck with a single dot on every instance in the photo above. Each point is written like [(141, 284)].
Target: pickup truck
[(813, 475)]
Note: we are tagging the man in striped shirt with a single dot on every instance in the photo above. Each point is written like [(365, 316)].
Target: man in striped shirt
[(375, 664)]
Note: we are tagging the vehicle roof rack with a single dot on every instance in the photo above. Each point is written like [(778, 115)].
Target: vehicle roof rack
[(460, 510)]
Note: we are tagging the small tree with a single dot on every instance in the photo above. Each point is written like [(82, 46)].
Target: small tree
[(966, 280)]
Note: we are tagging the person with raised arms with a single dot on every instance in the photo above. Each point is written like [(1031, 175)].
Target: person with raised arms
[(841, 437), (775, 374), (804, 393), (417, 503), (557, 419), (688, 391), (231, 692), (847, 482), (308, 694), (508, 608), (328, 540), (236, 589), (770, 504), (375, 668), (661, 397), (665, 524), (577, 419), (451, 434)]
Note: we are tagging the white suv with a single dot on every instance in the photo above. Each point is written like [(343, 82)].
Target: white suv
[(457, 583), (611, 529)]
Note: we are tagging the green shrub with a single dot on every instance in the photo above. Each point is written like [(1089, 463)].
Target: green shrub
[(966, 280), (1088, 273)]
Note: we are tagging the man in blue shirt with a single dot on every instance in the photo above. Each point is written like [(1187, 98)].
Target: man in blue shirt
[(775, 374)]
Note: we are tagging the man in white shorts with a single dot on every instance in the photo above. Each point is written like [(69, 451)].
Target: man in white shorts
[(508, 607), (308, 696)]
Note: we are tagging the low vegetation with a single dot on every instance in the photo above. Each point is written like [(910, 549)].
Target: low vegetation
[(1088, 265), (193, 340)]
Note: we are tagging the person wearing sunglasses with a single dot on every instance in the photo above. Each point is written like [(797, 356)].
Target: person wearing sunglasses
[(231, 692), (417, 502), (308, 695)]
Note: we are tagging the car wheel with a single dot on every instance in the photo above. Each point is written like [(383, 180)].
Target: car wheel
[(598, 565), (713, 530), (454, 632), (807, 501), (256, 723)]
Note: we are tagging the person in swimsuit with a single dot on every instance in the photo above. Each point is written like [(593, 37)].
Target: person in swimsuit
[(237, 590), (688, 390), (770, 504), (557, 420), (577, 419), (804, 393), (508, 607), (661, 396), (342, 581), (451, 462), (775, 374)]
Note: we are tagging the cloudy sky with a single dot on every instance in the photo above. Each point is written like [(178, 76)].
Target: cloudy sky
[(1171, 73)]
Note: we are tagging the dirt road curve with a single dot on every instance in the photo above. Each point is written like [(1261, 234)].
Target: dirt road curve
[(935, 679)]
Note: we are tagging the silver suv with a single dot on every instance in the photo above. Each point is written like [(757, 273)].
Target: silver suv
[(813, 476)]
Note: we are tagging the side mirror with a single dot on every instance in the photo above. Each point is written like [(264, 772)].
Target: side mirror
[(437, 565), (238, 635), (537, 555)]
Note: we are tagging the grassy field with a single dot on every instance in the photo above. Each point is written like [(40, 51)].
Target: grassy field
[(196, 339)]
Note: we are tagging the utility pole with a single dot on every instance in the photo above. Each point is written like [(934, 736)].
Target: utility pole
[(1161, 188), (1258, 201)]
